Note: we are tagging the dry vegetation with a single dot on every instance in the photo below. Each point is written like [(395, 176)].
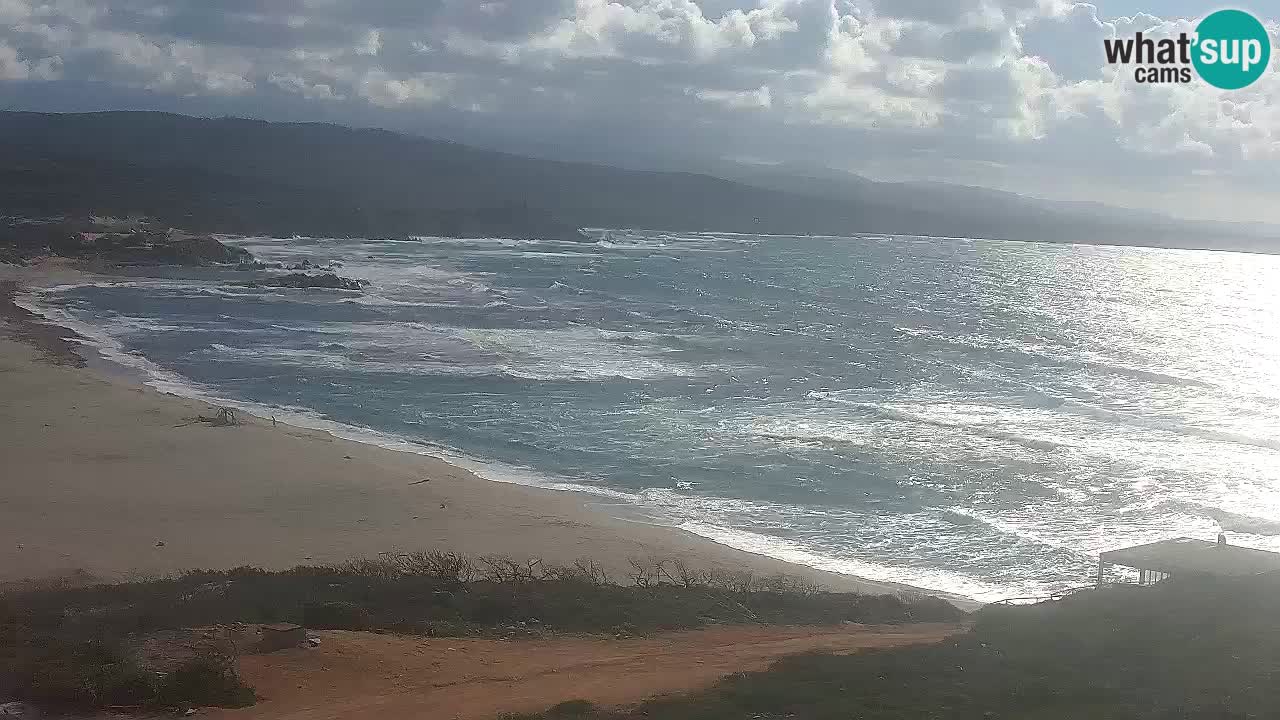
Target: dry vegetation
[(73, 645), (1182, 650)]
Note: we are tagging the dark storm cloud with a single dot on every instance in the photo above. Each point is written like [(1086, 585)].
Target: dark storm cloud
[(236, 23), (1014, 84)]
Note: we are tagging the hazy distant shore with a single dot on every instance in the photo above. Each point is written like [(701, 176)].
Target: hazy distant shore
[(105, 475)]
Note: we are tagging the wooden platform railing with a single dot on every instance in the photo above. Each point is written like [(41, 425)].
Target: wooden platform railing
[(1055, 597)]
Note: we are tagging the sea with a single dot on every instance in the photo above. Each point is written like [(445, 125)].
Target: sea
[(972, 416)]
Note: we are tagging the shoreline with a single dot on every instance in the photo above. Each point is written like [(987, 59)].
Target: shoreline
[(361, 517)]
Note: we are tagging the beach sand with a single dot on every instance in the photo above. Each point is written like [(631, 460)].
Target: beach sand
[(103, 475)]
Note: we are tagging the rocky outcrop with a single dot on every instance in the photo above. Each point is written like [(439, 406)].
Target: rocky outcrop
[(136, 243), (328, 281)]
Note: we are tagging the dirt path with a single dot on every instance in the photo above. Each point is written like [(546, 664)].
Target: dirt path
[(363, 675)]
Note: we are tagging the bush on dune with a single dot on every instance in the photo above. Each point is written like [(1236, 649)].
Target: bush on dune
[(72, 645), (1180, 650), (73, 672)]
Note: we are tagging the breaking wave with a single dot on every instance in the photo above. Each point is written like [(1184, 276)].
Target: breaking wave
[(906, 409)]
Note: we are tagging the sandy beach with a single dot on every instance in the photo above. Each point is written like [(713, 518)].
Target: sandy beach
[(106, 476)]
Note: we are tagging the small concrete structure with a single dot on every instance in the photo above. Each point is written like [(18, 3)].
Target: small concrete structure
[(1189, 557), (281, 636)]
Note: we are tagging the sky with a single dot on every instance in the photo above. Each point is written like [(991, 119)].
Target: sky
[(1011, 94)]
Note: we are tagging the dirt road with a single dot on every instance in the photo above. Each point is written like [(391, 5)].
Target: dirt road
[(363, 675)]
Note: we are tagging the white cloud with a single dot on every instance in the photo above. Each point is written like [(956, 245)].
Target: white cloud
[(177, 66), (388, 91), (13, 11), (11, 67), (659, 29), (370, 45), (967, 83), (839, 103), (1196, 120), (915, 76), (298, 85), (760, 98)]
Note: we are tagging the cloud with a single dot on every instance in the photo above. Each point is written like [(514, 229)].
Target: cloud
[(389, 91), (297, 85), (737, 99), (370, 44), (11, 67), (965, 89)]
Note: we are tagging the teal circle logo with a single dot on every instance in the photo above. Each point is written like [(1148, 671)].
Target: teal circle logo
[(1232, 49)]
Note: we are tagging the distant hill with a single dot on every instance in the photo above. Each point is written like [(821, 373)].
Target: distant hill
[(1010, 215), (238, 175)]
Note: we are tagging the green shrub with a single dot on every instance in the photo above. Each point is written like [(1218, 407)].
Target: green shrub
[(1182, 650), (335, 615), (66, 645), (203, 682), (91, 676)]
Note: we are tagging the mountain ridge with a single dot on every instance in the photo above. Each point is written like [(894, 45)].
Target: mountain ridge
[(248, 175)]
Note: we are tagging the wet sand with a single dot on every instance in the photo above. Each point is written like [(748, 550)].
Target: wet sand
[(106, 476)]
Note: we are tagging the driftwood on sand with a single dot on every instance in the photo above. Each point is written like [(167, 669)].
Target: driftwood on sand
[(226, 417)]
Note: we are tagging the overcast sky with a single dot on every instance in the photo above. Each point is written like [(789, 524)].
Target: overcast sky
[(1004, 93)]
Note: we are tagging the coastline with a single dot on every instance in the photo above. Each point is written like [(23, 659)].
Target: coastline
[(107, 478)]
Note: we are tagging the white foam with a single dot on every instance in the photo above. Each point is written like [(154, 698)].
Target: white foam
[(1020, 426), (572, 354), (660, 502), (172, 383), (795, 553), (113, 350), (582, 354), (1172, 426)]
